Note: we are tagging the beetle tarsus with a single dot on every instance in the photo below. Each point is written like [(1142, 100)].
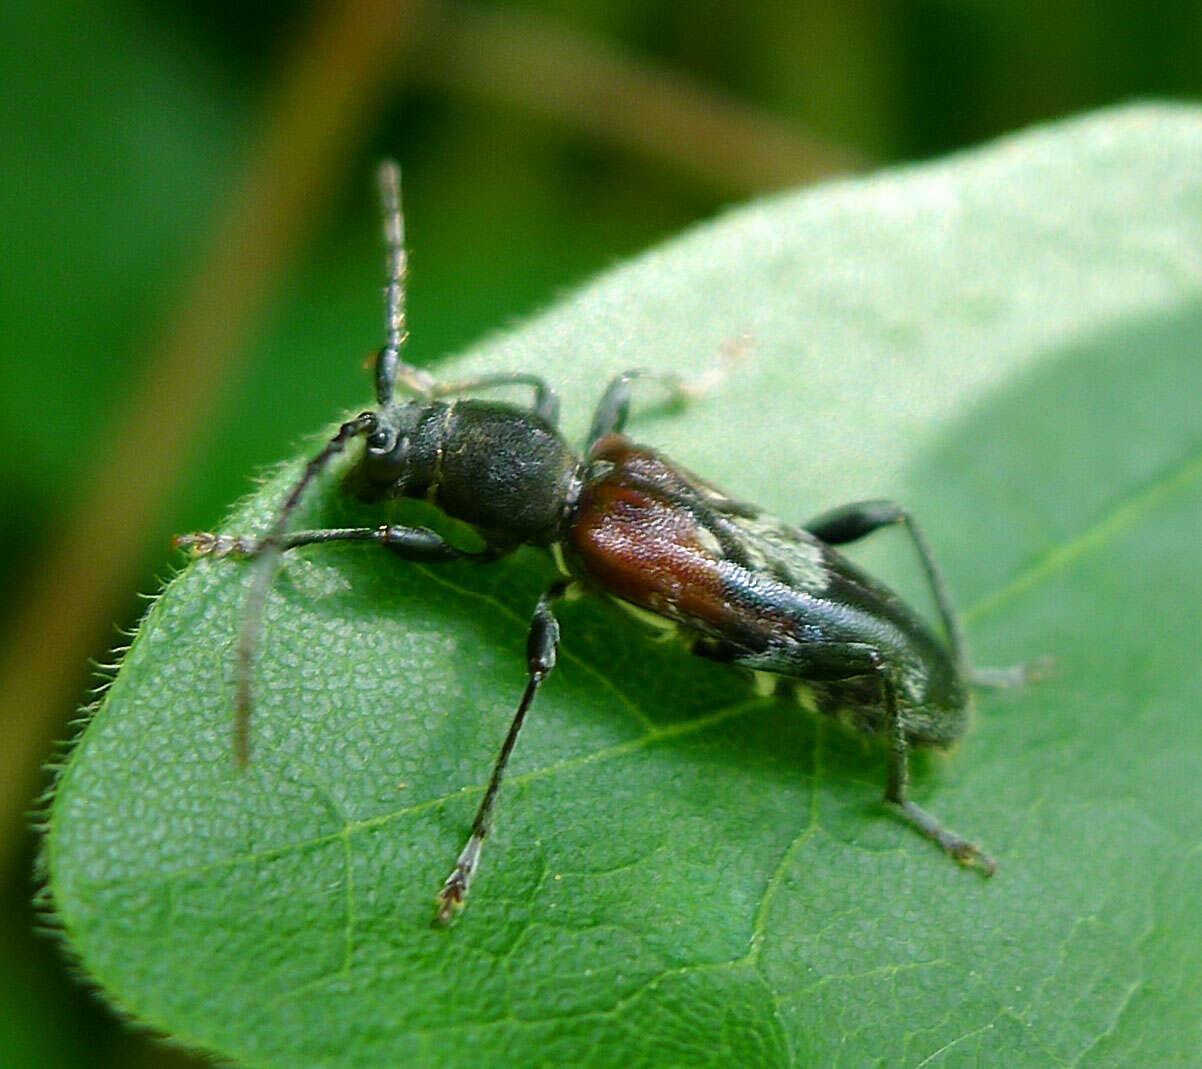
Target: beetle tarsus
[(450, 903), (962, 850), (208, 544), (453, 896), (1014, 675)]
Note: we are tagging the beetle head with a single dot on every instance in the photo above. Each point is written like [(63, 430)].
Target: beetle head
[(401, 451)]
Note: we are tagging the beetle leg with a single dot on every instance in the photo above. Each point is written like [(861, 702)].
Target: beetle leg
[(614, 407), (412, 543), (1015, 675), (846, 660), (546, 400), (542, 645), (851, 522), (964, 851)]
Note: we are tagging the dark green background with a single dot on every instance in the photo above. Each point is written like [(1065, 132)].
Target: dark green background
[(123, 126)]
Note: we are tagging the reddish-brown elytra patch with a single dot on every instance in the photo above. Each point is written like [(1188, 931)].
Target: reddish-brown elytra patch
[(638, 544)]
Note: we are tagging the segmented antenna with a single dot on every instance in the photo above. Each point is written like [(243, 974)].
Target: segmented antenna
[(391, 370), (267, 556), (388, 362)]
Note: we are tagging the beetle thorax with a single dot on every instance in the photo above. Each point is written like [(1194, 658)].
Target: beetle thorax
[(499, 468)]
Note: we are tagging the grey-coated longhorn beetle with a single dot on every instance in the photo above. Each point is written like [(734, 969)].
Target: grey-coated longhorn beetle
[(743, 587)]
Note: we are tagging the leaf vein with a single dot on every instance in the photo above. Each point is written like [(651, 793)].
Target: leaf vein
[(1122, 515), (564, 652)]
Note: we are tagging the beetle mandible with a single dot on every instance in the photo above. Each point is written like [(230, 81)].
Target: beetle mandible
[(743, 587)]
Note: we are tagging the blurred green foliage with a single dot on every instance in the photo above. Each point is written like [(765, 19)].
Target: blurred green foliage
[(122, 125)]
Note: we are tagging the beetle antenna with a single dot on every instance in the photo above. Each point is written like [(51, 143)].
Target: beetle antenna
[(267, 554), (390, 368)]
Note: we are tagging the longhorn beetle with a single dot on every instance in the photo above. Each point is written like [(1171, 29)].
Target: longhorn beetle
[(743, 587)]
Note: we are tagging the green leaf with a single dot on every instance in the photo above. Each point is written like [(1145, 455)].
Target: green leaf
[(683, 872)]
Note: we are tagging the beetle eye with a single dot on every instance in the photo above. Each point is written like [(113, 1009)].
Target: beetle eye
[(377, 441)]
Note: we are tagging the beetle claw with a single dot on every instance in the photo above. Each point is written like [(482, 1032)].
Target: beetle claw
[(451, 899)]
